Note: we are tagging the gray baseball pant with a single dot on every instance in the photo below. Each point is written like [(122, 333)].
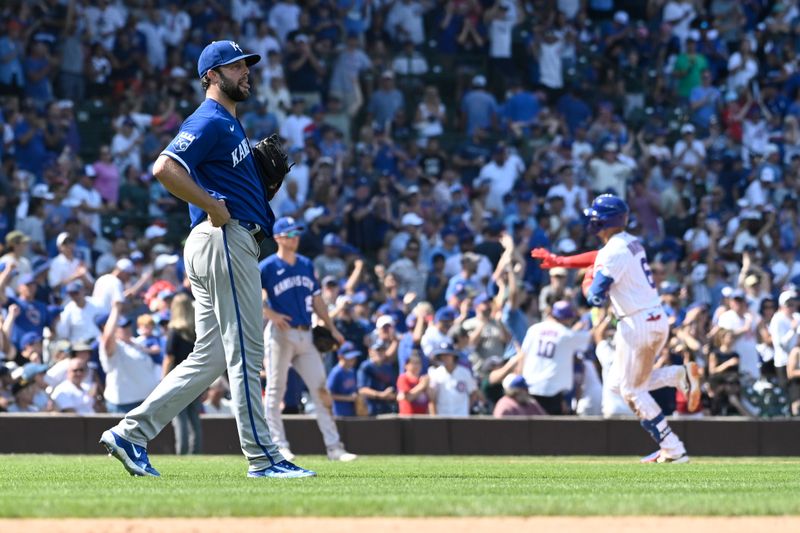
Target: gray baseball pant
[(222, 266), (295, 348)]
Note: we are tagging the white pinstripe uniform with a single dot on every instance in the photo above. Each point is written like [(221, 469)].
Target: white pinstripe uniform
[(641, 333)]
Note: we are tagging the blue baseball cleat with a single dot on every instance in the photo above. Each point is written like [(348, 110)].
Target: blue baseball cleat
[(283, 470), (271, 471), (294, 469), (132, 456)]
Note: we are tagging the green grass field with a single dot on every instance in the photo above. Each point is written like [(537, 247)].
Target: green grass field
[(97, 486)]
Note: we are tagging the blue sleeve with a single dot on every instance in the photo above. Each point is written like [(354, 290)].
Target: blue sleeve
[(333, 382), (448, 292), (193, 144), (364, 379), (598, 292)]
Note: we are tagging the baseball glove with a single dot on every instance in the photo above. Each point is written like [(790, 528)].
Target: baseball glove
[(323, 339), (272, 163)]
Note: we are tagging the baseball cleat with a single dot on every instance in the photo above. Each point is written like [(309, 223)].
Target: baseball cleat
[(271, 471), (132, 456), (338, 453), (659, 456), (287, 454), (692, 386), (294, 470)]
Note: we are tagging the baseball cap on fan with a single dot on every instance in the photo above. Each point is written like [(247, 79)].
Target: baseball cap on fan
[(220, 53), (349, 351), (562, 310), (514, 381)]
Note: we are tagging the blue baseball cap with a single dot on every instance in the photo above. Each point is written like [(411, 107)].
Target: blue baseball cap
[(30, 370), (514, 381), (166, 293), (331, 239), (562, 310), (443, 348), (668, 287), (74, 286), (385, 309), (29, 338), (25, 279), (481, 298), (447, 314), (100, 320), (737, 294), (220, 53), (349, 351), (40, 266), (286, 224)]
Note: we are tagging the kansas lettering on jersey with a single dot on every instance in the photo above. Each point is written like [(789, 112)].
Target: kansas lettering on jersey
[(290, 288), (623, 259), (242, 151), (291, 283), (213, 148), (549, 349)]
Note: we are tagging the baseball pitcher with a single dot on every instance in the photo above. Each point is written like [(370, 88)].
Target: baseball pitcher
[(210, 165)]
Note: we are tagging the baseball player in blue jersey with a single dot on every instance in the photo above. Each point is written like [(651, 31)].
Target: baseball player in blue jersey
[(209, 165), (292, 293), (622, 275)]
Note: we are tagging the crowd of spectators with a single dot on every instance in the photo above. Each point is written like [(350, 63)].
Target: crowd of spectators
[(434, 144)]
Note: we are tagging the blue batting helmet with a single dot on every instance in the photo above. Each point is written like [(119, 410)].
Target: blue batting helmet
[(607, 211)]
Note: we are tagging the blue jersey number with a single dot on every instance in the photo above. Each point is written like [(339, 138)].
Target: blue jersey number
[(648, 274), (547, 349), (309, 304)]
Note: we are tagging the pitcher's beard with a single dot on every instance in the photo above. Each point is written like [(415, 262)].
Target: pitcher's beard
[(231, 89)]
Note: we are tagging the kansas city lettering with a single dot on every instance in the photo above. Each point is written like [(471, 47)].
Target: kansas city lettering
[(292, 282), (240, 152)]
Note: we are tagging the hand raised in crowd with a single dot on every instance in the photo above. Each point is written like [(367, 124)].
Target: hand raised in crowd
[(507, 241), (409, 298)]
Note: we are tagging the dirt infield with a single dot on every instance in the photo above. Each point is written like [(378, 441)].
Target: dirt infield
[(555, 524)]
